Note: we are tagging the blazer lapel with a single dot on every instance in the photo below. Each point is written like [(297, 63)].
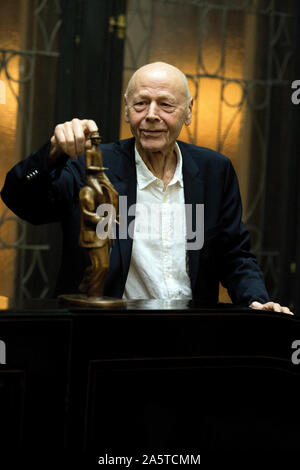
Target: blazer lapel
[(193, 194), (125, 185)]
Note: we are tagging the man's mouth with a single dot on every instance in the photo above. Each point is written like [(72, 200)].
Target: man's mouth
[(152, 131)]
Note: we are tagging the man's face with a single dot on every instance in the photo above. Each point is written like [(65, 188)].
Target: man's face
[(156, 108)]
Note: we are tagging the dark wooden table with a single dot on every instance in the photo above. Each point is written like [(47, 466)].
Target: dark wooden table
[(154, 375)]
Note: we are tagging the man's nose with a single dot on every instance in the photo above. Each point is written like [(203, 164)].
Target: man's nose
[(153, 112)]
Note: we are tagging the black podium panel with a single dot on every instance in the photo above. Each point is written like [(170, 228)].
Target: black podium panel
[(12, 401), (187, 405), (34, 380), (152, 376)]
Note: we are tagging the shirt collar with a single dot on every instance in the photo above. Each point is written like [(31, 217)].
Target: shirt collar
[(145, 177)]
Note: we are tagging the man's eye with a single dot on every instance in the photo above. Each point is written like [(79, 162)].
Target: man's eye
[(140, 105), (167, 106)]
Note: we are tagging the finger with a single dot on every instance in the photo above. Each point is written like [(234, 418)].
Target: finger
[(268, 306), (256, 305), (276, 307), (53, 142), (65, 139), (79, 136), (286, 310), (89, 126), (70, 139), (272, 306), (59, 138)]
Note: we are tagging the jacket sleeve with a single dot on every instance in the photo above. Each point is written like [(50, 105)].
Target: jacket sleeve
[(40, 194), (240, 273)]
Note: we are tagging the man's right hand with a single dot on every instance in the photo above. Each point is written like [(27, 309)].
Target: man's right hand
[(71, 138)]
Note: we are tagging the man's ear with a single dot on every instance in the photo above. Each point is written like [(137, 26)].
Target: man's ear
[(126, 109), (188, 120)]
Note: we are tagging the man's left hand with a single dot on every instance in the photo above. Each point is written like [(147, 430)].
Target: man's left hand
[(273, 306)]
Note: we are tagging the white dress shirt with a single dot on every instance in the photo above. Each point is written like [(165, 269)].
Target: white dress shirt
[(158, 267)]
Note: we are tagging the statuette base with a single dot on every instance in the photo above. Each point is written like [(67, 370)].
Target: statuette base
[(82, 300)]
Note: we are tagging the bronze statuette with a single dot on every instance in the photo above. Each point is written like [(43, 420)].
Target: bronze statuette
[(95, 230)]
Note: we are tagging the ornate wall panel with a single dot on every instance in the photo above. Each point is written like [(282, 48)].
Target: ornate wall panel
[(28, 57)]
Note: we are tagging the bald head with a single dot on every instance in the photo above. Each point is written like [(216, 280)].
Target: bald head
[(157, 104), (159, 71)]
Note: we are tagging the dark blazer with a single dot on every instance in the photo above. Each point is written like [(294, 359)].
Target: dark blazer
[(40, 194)]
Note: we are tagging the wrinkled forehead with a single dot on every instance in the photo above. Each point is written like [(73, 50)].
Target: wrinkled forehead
[(158, 81)]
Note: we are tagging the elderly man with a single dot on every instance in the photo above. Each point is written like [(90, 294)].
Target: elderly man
[(152, 169)]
